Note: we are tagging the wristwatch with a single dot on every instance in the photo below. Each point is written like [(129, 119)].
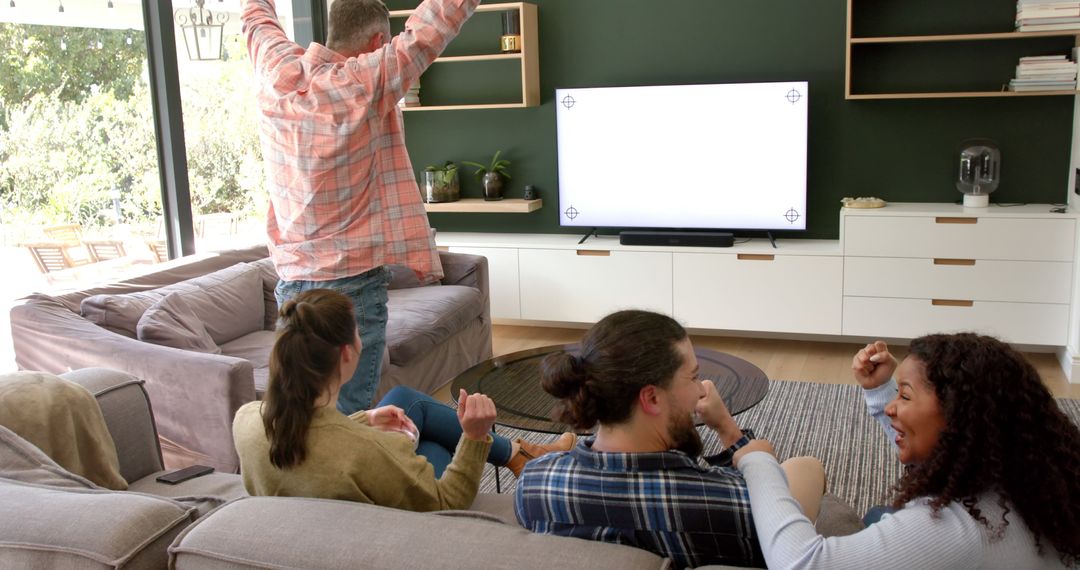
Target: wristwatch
[(724, 457)]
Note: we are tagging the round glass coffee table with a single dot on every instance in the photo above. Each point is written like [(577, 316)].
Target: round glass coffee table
[(512, 381)]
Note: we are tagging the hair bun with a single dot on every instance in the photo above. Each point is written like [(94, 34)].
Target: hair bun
[(562, 375)]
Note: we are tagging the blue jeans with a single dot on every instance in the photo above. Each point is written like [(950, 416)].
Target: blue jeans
[(875, 513), (367, 292), (439, 428)]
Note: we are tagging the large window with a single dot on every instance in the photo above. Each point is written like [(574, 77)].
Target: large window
[(80, 193), (80, 188)]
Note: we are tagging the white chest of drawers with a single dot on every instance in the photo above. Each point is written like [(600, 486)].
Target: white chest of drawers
[(913, 269)]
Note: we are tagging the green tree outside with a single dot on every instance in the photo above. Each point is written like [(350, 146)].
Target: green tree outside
[(76, 130)]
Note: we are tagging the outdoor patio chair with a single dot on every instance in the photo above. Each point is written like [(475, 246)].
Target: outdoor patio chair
[(70, 233), (53, 256), (104, 249), (71, 236), (159, 249), (221, 224)]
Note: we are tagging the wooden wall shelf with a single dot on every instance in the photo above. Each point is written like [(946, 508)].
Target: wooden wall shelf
[(966, 37), (529, 58), (958, 94), (459, 107), (477, 205), (856, 44)]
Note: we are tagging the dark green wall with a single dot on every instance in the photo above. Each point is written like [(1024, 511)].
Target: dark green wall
[(899, 150)]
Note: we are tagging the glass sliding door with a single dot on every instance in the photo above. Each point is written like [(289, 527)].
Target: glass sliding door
[(217, 88), (80, 195)]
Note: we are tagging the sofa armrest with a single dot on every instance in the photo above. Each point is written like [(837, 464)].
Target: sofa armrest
[(468, 270), (464, 269), (195, 395), (129, 417)]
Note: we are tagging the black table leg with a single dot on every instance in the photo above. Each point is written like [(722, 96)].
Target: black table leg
[(498, 481)]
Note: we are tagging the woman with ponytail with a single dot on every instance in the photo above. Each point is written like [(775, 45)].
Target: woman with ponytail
[(412, 452)]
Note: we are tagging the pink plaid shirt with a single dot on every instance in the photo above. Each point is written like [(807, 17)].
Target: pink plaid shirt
[(343, 197)]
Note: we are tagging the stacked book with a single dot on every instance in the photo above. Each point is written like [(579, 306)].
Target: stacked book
[(1044, 73), (1047, 15), (412, 97)]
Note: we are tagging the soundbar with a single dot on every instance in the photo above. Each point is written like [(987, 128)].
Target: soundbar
[(687, 239)]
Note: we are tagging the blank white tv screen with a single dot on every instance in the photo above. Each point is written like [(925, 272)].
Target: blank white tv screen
[(725, 156)]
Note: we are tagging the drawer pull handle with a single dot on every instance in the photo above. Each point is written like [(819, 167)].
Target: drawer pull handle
[(594, 252), (967, 262), (442, 248), (756, 257), (947, 220), (952, 303)]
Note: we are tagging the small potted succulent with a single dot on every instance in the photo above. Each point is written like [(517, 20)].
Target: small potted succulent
[(491, 176), (440, 183)]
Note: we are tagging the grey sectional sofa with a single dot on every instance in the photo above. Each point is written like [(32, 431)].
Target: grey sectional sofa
[(198, 331), (55, 519)]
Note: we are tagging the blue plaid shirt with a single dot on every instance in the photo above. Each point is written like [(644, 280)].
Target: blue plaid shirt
[(664, 502)]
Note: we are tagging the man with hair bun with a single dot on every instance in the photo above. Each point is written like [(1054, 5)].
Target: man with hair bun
[(639, 480), (344, 204)]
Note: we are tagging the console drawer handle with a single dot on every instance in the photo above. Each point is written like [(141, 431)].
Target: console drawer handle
[(594, 252), (947, 220), (968, 262), (756, 257), (952, 303)]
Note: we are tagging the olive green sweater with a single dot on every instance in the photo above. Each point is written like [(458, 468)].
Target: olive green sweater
[(350, 460)]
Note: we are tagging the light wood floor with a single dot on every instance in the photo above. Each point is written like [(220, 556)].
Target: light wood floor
[(824, 362)]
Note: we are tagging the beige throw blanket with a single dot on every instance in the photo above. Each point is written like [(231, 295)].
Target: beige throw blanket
[(64, 421)]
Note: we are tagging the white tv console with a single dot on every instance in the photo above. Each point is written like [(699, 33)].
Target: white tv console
[(896, 272)]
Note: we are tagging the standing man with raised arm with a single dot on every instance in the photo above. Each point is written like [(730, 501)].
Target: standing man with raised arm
[(344, 202)]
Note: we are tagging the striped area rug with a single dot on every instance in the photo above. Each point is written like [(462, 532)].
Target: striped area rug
[(826, 421)]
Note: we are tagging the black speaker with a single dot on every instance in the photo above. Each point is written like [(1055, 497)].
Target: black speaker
[(686, 239)]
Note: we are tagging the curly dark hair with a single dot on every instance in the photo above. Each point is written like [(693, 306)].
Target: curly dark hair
[(1003, 434), (620, 355)]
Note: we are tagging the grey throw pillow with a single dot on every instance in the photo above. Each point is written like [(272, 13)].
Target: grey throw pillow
[(172, 322), (229, 302), (401, 277)]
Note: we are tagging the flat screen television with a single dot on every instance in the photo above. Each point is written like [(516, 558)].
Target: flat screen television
[(721, 156)]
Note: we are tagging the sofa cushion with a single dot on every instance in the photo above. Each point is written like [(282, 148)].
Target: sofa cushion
[(205, 493), (248, 533), (172, 322), (255, 348), (422, 318), (52, 527), (228, 301), (401, 277), (270, 280), (499, 505), (64, 421)]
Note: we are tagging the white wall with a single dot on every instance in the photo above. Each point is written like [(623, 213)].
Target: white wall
[(1070, 356)]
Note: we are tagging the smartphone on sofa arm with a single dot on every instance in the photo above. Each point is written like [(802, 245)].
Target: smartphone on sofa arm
[(181, 475)]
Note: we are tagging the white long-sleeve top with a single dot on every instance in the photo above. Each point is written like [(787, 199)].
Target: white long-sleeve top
[(910, 538)]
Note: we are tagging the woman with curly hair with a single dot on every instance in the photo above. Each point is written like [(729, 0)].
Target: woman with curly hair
[(992, 476)]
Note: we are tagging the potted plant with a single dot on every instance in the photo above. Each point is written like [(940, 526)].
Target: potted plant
[(440, 183), (491, 176)]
